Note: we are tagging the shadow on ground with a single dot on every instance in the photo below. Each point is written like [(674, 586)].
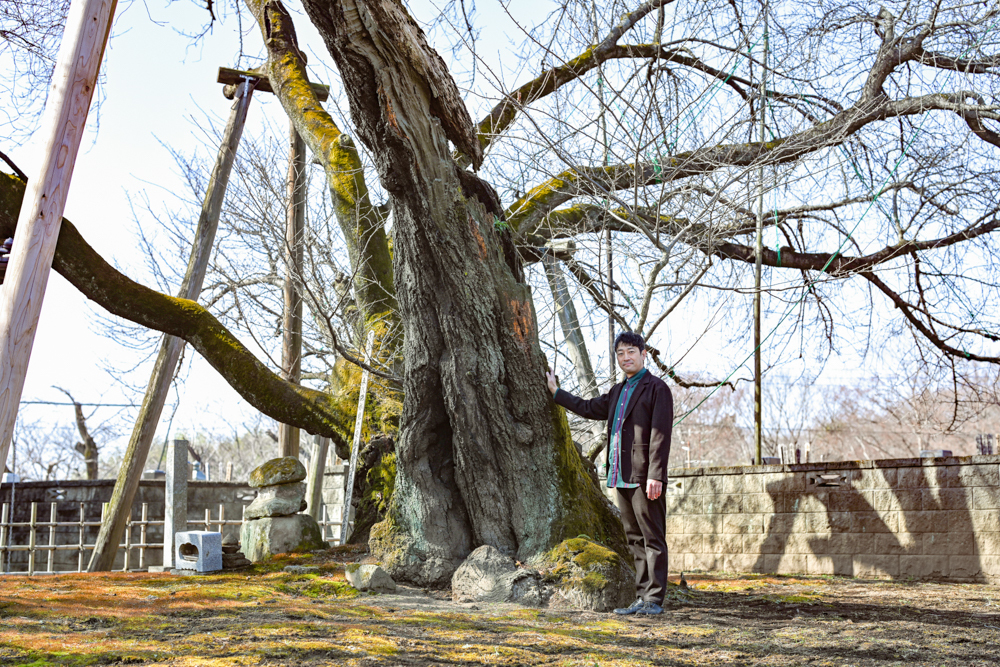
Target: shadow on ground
[(264, 616)]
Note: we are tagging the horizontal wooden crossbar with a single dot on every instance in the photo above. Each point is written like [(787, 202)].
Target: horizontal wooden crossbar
[(232, 77)]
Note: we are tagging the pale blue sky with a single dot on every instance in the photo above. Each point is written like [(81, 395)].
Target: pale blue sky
[(156, 80)]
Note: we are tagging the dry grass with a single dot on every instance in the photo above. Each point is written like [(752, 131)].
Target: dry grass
[(263, 616)]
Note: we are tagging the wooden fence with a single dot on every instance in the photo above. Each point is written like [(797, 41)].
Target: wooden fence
[(41, 536)]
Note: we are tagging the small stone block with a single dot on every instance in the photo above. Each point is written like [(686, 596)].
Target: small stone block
[(724, 544), (285, 470), (841, 565), (739, 562), (948, 477), (758, 503), (888, 544), (876, 566), (792, 564), (946, 499), (753, 483), (731, 503), (753, 543), (990, 568), (978, 475), (988, 544), (732, 484), (198, 550), (860, 544), (738, 524), (369, 577), (915, 478), (923, 567), (985, 521), (964, 568), (702, 562), (953, 544), (678, 544), (985, 498)]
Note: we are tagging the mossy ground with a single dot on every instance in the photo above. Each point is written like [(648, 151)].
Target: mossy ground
[(264, 616), (580, 560)]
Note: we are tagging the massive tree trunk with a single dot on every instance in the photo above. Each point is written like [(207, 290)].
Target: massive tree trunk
[(484, 456)]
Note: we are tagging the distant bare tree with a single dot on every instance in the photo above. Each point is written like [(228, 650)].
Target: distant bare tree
[(88, 447), (30, 32)]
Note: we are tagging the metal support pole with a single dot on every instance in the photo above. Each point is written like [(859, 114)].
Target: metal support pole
[(317, 468), (758, 389), (356, 445)]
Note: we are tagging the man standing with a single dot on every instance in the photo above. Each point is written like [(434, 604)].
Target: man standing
[(640, 414)]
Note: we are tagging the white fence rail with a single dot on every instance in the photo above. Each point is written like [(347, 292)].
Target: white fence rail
[(38, 531)]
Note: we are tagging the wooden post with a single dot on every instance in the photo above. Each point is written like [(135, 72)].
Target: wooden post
[(63, 124), (31, 538), (758, 369), (314, 483), (4, 509), (345, 519), (82, 543), (295, 227), (52, 537), (130, 473)]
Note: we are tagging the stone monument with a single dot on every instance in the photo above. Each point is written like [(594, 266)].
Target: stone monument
[(273, 523)]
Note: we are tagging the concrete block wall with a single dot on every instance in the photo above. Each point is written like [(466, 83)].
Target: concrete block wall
[(935, 519)]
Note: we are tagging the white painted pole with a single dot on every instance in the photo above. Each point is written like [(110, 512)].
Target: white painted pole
[(345, 519), (63, 124)]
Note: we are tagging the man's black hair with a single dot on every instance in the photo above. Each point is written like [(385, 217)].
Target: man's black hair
[(630, 338)]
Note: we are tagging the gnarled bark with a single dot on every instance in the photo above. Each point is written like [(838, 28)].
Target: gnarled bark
[(362, 224), (484, 456)]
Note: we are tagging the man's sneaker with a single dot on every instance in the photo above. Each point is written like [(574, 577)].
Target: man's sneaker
[(631, 609), (650, 608)]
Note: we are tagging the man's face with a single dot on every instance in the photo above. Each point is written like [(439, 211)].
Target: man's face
[(630, 359)]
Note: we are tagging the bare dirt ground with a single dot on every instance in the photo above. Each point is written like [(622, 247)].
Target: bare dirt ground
[(264, 616)]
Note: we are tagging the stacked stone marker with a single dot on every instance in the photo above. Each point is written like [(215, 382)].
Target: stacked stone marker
[(272, 523)]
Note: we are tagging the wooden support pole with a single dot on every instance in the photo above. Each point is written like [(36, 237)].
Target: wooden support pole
[(345, 519), (570, 323), (578, 354), (758, 369), (130, 473), (295, 228), (231, 76), (63, 124), (314, 483)]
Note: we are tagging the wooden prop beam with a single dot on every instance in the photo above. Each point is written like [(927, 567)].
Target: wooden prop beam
[(232, 77), (295, 230), (120, 507), (73, 81)]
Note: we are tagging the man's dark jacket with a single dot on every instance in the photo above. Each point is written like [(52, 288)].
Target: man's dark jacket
[(649, 416)]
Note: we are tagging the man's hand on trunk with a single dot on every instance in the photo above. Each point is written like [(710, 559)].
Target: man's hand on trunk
[(550, 377)]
